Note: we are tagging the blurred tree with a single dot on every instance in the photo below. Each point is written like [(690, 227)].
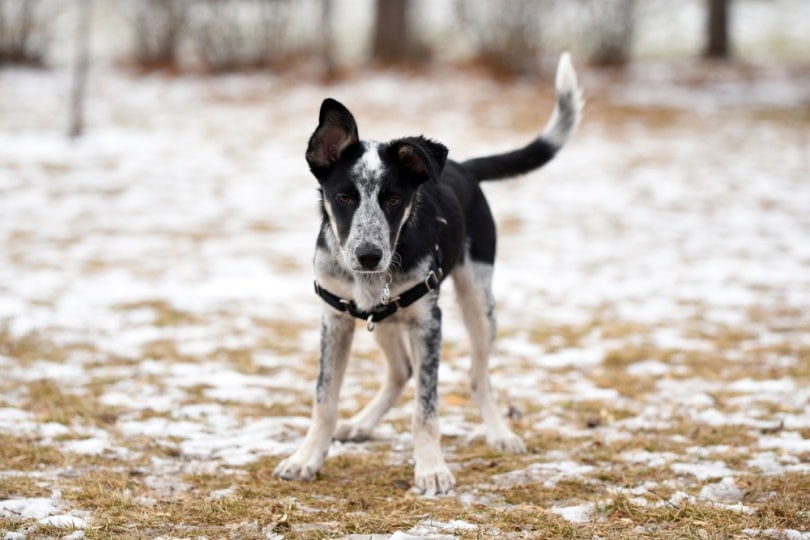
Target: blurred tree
[(717, 34), (157, 27), (328, 40), (24, 31), (231, 35), (80, 67), (393, 42), (508, 34), (612, 29)]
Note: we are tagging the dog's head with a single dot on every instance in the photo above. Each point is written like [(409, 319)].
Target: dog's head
[(368, 189)]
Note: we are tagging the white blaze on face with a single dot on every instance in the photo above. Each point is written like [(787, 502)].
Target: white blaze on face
[(369, 224)]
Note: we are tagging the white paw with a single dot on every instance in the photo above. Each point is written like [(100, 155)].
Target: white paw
[(296, 468), (507, 443), (435, 482), (348, 431)]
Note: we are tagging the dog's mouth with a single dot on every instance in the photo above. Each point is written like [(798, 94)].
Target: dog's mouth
[(380, 269), (368, 272)]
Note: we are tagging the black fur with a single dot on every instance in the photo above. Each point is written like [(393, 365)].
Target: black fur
[(385, 209), (451, 209)]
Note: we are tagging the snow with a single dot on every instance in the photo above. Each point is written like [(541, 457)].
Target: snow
[(648, 367), (780, 534), (724, 491), (64, 521), (704, 470), (791, 442), (192, 195), (92, 446), (572, 358), (34, 508), (549, 473), (650, 459), (580, 513), (436, 529)]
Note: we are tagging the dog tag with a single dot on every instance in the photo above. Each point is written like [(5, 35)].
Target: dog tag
[(386, 295)]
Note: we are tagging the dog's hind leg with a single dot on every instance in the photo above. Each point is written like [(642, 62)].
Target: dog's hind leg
[(473, 284), (360, 426), (337, 330)]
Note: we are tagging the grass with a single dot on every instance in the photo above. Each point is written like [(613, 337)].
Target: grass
[(23, 454), (370, 491), (22, 486), (164, 313), (124, 502), (149, 487)]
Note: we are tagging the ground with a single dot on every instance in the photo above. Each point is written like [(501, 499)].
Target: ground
[(159, 333)]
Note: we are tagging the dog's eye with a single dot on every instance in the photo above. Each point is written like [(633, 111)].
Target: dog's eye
[(343, 198), (393, 201)]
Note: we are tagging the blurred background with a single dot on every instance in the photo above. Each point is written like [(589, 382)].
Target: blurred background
[(194, 114), (507, 36), (326, 39)]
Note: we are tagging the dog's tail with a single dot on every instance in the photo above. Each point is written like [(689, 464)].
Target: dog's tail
[(537, 153)]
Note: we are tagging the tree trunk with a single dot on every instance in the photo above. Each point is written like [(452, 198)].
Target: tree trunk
[(328, 41), (80, 68), (717, 44), (391, 32)]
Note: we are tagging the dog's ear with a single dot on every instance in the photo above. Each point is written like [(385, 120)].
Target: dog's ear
[(336, 131), (421, 157)]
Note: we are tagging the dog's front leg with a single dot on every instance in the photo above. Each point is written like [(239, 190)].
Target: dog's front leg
[(337, 330), (432, 476)]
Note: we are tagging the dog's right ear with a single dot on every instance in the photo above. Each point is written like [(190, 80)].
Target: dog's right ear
[(336, 131)]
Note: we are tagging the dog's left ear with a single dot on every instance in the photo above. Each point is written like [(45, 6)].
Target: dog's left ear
[(336, 132), (421, 157)]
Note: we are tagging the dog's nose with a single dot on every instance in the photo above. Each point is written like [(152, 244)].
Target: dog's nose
[(368, 255)]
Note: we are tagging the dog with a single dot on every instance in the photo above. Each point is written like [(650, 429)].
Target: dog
[(397, 219)]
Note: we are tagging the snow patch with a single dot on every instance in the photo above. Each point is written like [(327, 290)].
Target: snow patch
[(703, 470), (581, 513)]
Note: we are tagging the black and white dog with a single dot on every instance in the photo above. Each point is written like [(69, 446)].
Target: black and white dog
[(398, 217)]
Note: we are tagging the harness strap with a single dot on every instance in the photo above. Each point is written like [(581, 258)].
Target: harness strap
[(381, 312)]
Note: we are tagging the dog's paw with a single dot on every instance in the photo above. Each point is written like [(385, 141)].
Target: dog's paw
[(348, 431), (435, 482), (294, 468), (507, 444)]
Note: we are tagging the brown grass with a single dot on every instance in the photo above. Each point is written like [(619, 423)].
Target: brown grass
[(159, 491), (371, 492)]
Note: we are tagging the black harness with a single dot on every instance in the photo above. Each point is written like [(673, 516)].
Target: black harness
[(384, 310)]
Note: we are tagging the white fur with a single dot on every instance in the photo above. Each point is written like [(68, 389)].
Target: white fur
[(369, 224), (569, 97), (305, 462), (473, 283)]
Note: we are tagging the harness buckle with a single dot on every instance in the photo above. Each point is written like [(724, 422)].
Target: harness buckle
[(435, 281)]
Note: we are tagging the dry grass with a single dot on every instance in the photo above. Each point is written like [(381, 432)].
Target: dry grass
[(125, 499), (123, 503), (155, 488), (22, 454), (164, 313)]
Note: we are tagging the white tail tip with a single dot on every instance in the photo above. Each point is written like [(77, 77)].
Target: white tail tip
[(568, 109), (566, 80)]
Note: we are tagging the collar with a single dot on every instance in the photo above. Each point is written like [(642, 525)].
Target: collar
[(382, 311)]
